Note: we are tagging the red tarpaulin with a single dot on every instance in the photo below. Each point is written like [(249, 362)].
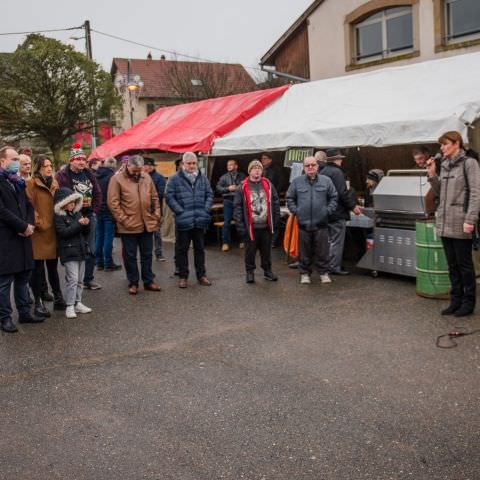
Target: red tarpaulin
[(191, 126)]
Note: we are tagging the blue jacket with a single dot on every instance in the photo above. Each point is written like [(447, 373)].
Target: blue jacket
[(160, 183), (104, 174), (190, 203)]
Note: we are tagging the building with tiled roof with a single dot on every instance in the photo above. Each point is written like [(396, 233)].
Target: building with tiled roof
[(148, 84)]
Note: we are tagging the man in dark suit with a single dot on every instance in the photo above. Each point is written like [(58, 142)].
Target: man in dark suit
[(16, 228)]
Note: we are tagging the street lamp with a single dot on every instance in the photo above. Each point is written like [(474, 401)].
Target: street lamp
[(131, 83)]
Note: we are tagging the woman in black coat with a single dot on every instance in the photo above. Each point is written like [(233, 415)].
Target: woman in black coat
[(16, 227)]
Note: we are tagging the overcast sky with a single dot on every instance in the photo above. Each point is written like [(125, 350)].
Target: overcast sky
[(222, 30)]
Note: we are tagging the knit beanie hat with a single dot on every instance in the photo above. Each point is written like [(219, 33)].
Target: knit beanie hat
[(77, 152), (376, 175), (253, 164)]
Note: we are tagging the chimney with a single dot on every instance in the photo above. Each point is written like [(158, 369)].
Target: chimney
[(149, 56), (162, 57)]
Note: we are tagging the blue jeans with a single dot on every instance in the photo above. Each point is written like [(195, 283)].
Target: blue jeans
[(90, 260), (131, 243), (157, 235), (227, 220), (105, 233), (20, 293)]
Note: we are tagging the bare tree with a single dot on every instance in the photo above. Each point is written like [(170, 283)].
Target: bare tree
[(192, 81), (265, 80)]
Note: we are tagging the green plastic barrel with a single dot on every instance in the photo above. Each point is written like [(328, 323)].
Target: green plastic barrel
[(432, 268)]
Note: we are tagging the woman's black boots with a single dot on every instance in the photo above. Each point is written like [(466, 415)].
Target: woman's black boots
[(40, 311)]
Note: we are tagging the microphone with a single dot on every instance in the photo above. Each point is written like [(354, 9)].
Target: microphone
[(434, 159)]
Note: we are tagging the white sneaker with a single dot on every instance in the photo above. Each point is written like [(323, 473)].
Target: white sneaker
[(305, 279), (325, 278), (81, 308), (70, 312)]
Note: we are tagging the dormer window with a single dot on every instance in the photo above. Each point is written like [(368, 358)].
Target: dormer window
[(384, 34)]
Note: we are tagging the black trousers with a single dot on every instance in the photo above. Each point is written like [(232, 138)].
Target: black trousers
[(131, 243), (37, 281), (313, 247), (262, 242), (182, 245), (461, 270)]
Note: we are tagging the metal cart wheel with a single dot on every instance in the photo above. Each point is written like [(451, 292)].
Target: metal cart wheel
[(374, 273)]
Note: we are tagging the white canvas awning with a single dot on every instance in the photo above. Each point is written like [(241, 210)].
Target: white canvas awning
[(392, 106)]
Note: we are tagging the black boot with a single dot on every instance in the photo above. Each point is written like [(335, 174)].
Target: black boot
[(46, 296), (28, 318), (8, 326), (270, 276), (40, 310), (465, 309), (58, 301), (452, 308)]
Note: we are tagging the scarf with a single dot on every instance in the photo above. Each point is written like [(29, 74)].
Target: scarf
[(452, 161), (14, 178), (248, 203), (191, 176), (47, 181)]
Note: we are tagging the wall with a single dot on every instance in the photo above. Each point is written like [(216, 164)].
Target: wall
[(293, 58), (140, 111), (327, 27), (123, 122)]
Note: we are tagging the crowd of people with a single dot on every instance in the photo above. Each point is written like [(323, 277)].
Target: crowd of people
[(73, 216)]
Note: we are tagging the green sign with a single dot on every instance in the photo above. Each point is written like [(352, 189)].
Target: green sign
[(297, 155)]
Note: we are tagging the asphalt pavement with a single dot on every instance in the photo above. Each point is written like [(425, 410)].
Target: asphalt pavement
[(271, 381)]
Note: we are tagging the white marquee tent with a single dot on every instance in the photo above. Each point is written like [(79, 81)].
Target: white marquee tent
[(392, 106)]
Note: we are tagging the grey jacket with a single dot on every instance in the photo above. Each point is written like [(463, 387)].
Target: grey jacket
[(312, 203), (450, 187), (226, 180)]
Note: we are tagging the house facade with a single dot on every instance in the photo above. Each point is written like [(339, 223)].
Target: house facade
[(148, 84), (333, 38)]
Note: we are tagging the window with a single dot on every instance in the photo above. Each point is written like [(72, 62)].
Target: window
[(384, 34), (462, 20), (196, 83)]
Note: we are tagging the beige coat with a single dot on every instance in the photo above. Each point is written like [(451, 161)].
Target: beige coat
[(134, 205), (44, 239), (450, 186)]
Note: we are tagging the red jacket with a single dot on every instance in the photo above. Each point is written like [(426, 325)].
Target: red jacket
[(242, 208)]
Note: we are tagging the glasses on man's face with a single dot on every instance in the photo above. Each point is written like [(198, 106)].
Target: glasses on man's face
[(310, 165)]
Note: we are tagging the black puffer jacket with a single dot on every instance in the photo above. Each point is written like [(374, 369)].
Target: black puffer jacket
[(72, 237), (346, 200)]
